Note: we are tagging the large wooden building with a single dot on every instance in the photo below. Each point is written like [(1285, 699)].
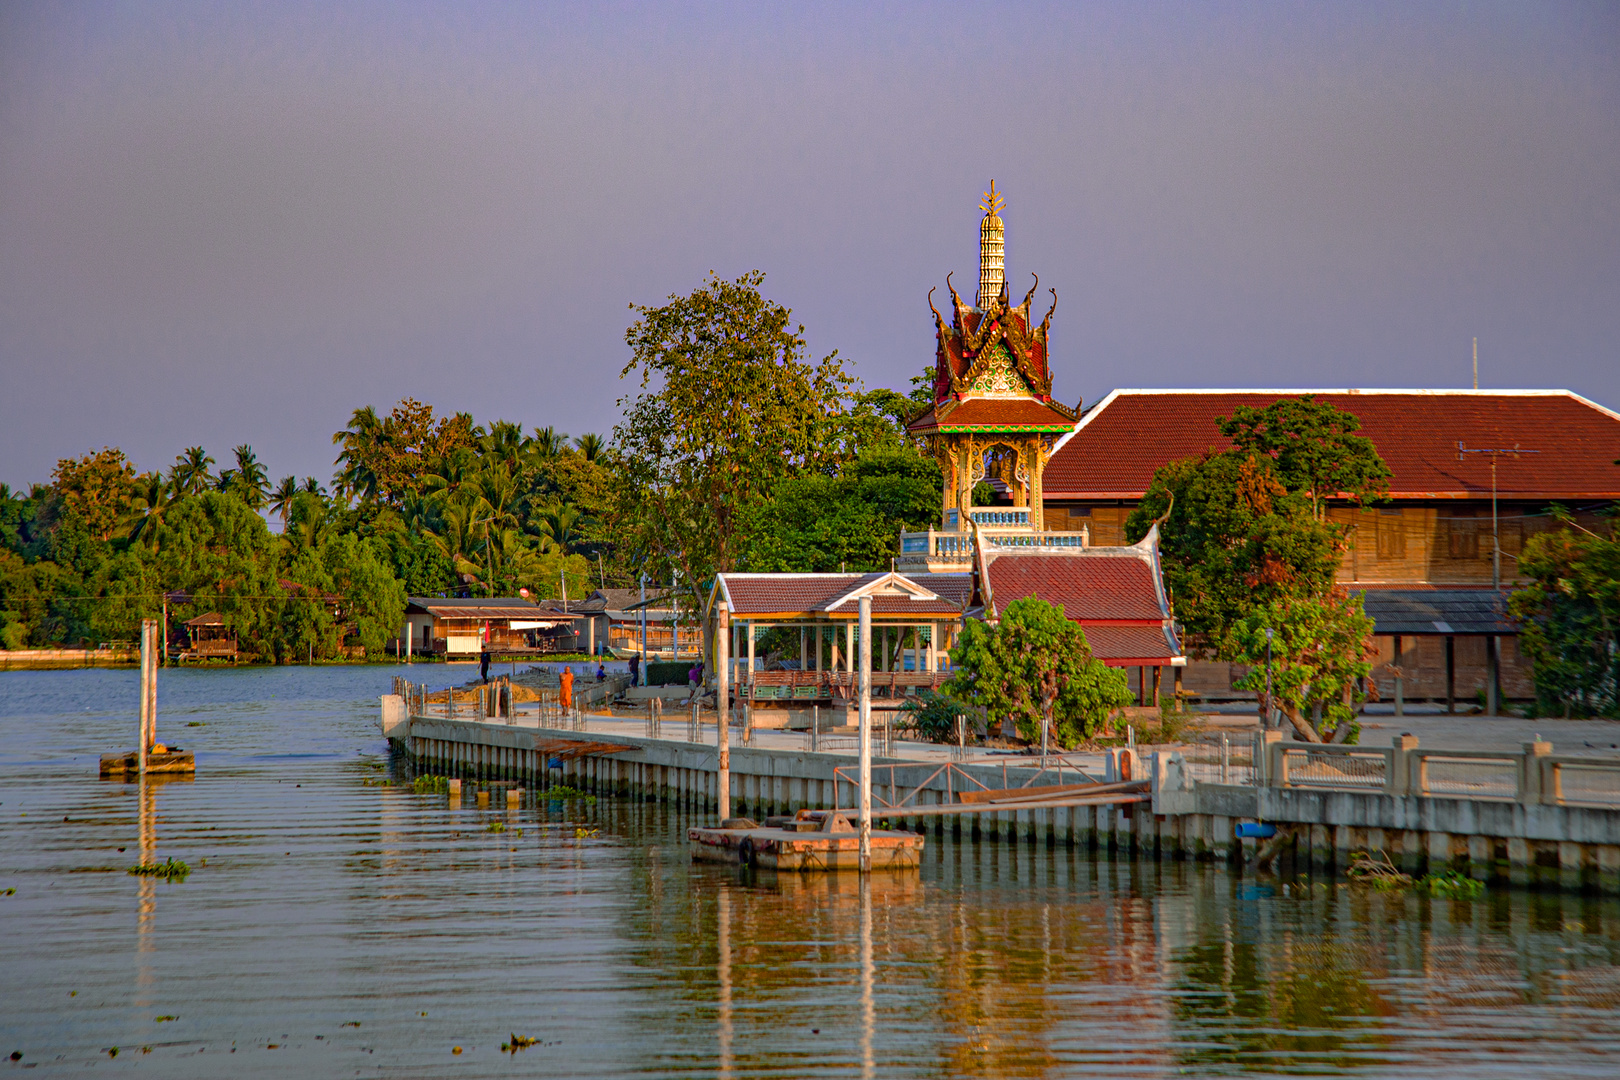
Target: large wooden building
[(1427, 559)]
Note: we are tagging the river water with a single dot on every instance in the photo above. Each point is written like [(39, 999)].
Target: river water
[(336, 924)]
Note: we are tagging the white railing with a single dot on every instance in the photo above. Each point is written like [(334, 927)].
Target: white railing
[(1333, 767), (1533, 776), (959, 545)]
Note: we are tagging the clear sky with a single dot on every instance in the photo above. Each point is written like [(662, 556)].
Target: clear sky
[(227, 223)]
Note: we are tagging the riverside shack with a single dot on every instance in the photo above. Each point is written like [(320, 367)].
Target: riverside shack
[(455, 627)]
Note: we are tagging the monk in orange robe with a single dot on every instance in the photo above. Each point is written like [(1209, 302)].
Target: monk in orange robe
[(567, 698)]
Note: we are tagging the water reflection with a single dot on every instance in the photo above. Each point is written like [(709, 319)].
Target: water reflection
[(342, 902)]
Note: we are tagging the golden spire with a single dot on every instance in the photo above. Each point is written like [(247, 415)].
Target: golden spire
[(992, 248)]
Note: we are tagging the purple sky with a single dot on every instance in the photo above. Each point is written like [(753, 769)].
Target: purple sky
[(236, 223)]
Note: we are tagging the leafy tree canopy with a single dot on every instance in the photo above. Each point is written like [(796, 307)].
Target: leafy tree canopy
[(728, 407), (824, 524), (1569, 620), (1315, 447), (1035, 666), (96, 489)]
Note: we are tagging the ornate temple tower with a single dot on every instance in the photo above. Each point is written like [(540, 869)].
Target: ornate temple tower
[(993, 413)]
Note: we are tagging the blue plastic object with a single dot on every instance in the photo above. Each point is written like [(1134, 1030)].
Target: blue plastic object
[(1255, 830), (554, 763)]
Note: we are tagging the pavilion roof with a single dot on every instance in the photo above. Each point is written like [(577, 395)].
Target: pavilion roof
[(994, 416), (820, 596)]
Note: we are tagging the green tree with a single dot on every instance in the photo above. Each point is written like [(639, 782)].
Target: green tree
[(97, 489), (1320, 650), (1569, 619), (1234, 540), (1034, 665), (222, 553), (1315, 447), (816, 523), (728, 407)]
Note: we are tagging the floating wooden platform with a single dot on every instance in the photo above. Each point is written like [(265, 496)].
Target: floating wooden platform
[(814, 840), (173, 760)]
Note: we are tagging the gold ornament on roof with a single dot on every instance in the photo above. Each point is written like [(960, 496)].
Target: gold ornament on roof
[(993, 202)]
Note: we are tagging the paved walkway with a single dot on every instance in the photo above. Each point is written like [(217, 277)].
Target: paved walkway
[(1444, 732)]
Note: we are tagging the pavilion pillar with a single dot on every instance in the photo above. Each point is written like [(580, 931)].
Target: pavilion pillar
[(1493, 684), (964, 482), (804, 649), (748, 628), (849, 648), (1451, 674), (1400, 687), (933, 639)]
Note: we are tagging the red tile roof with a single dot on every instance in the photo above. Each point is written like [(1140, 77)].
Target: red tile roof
[(992, 414), (1120, 442), (1115, 594), (1085, 586), (1124, 646)]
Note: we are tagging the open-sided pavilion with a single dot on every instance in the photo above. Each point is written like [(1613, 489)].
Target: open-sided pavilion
[(915, 619)]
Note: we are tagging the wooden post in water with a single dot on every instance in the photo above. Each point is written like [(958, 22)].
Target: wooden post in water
[(866, 733), (148, 690), (722, 709)]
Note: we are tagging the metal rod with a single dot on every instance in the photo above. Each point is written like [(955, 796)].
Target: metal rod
[(722, 708), (866, 734)]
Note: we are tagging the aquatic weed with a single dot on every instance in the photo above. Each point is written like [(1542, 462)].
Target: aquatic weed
[(171, 871), (560, 792), (430, 785)]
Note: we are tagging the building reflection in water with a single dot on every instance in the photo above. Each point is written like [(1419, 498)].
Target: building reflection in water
[(1010, 961)]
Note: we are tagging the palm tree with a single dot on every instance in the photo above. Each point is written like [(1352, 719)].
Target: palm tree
[(507, 445), (309, 520), (559, 524), (145, 514), (281, 499), (549, 442), (189, 476), (360, 440), (247, 481), (590, 446), (313, 486)]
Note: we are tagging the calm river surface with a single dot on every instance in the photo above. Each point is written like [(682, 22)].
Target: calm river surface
[(336, 926)]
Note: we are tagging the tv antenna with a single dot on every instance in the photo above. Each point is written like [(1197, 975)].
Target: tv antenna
[(1494, 453)]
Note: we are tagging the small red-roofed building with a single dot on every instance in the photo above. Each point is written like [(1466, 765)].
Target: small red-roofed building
[(1116, 594)]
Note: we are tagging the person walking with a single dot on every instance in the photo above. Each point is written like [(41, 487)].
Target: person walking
[(483, 663), (566, 699), (635, 671)]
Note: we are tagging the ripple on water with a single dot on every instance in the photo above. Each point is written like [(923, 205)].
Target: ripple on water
[(330, 924)]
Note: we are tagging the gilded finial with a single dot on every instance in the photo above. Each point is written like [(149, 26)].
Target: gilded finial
[(993, 202)]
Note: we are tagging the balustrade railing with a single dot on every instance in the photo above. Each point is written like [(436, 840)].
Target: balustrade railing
[(1533, 776)]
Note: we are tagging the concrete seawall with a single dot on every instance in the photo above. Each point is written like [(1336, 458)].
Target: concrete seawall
[(1501, 840)]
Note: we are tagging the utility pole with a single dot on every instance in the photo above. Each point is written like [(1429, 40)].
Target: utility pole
[(1476, 363), (1496, 542), (1492, 693), (1266, 724)]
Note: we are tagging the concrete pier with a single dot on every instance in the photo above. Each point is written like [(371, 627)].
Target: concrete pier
[(1521, 827)]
